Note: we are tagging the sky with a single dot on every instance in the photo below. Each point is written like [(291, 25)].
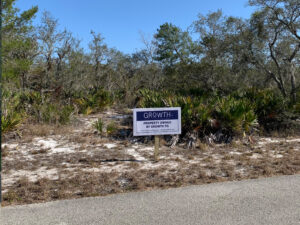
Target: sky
[(121, 22)]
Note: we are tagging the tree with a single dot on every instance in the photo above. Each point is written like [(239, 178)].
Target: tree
[(99, 51), (67, 44), (173, 44), (48, 36), (73, 67), (277, 23), (19, 43), (149, 70), (219, 47), (55, 47)]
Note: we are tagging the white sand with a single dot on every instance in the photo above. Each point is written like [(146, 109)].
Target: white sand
[(110, 145), (32, 176), (133, 152)]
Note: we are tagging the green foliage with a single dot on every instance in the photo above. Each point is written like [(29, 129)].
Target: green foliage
[(193, 112), (173, 44), (11, 117), (111, 129), (94, 102), (202, 116), (18, 44), (149, 98), (10, 122), (267, 104), (296, 108), (52, 113), (198, 76), (65, 114), (44, 109), (235, 115), (98, 125)]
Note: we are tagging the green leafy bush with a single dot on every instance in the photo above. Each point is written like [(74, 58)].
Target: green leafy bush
[(111, 129), (65, 114), (44, 109), (10, 121), (267, 104), (12, 115), (53, 113), (149, 98), (236, 115), (98, 125), (296, 108), (93, 102)]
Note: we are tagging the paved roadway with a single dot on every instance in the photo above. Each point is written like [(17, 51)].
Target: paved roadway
[(264, 201)]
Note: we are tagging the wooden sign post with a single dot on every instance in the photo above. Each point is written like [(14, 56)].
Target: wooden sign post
[(156, 148), (156, 121)]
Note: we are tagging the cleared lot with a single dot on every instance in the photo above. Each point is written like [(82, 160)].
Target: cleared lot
[(50, 163)]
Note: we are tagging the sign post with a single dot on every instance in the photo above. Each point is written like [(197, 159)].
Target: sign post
[(156, 148), (156, 121)]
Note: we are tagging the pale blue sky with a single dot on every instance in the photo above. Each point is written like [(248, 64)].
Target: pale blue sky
[(121, 21)]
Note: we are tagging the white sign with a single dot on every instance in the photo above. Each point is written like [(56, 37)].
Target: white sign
[(156, 121)]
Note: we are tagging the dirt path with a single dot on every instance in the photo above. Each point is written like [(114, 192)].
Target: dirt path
[(51, 162)]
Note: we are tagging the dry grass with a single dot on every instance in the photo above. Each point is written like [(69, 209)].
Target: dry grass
[(43, 130), (91, 169), (5, 151)]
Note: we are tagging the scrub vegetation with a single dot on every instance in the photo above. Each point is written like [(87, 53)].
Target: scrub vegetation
[(51, 163), (66, 116)]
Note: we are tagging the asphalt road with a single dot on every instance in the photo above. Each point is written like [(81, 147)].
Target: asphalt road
[(264, 201)]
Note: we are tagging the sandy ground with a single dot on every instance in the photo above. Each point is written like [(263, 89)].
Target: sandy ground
[(50, 163)]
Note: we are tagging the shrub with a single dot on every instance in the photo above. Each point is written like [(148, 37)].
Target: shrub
[(149, 98), (12, 115), (202, 117), (296, 108), (98, 125), (111, 129), (235, 115), (65, 114), (10, 121), (93, 102), (50, 112), (267, 104)]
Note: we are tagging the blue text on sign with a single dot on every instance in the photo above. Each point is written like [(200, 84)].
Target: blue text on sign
[(157, 115)]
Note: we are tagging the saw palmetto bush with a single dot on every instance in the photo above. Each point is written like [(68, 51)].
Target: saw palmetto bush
[(270, 108), (149, 98), (193, 112), (44, 109), (236, 115), (94, 101), (267, 104), (11, 116), (10, 121), (52, 113), (202, 115)]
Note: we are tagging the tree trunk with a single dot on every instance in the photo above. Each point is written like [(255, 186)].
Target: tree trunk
[(293, 84), (282, 89), (23, 81)]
